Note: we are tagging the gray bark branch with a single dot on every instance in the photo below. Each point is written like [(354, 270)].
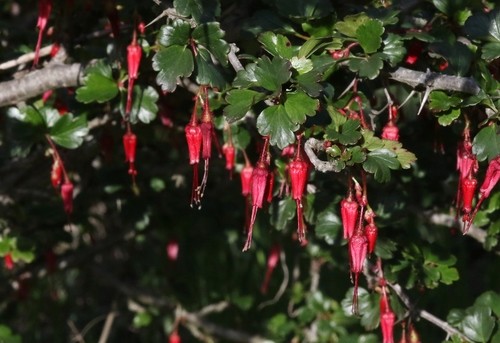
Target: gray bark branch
[(37, 82), (435, 81)]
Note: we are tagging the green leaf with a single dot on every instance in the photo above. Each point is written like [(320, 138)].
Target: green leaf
[(367, 67), (206, 72), (369, 35), (175, 34), (448, 275), (26, 256), (489, 299), (144, 107), (449, 117), (379, 163), (478, 325), (457, 54), (68, 131), (351, 23), (298, 105), (368, 305), (50, 116), (240, 101), (171, 63), (277, 45), (484, 26), (310, 9), (246, 78), (490, 51), (202, 11), (286, 212), (210, 37), (348, 133), (394, 50), (99, 85), (328, 224), (7, 336), (272, 74), (440, 101), (142, 319), (309, 83), (275, 122), (486, 144), (302, 65)]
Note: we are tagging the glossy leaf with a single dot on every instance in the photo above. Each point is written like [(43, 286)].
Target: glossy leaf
[(379, 163), (171, 63), (351, 23), (486, 144), (206, 72), (448, 117), (298, 105), (210, 36), (69, 131), (369, 35), (99, 85), (328, 224), (201, 10), (240, 101), (484, 26), (440, 101), (272, 74), (175, 34), (277, 45), (144, 107), (348, 132), (367, 67), (275, 122)]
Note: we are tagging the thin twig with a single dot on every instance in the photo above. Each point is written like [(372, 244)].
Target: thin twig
[(77, 336), (323, 166), (233, 59), (450, 330), (283, 286), (25, 59), (107, 325)]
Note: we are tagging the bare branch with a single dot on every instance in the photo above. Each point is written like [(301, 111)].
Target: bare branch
[(435, 81), (26, 58), (37, 82), (320, 165), (107, 326)]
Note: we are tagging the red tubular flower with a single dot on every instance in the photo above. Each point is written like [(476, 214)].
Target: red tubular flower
[(172, 250), (414, 51), (490, 180), (193, 138), (129, 146), (229, 154), (272, 262), (134, 55), (468, 189), (297, 170), (246, 179), (390, 131), (8, 261), (174, 337), (349, 213), (371, 233), (358, 248), (258, 189), (67, 196), (387, 320), (56, 173), (44, 9)]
